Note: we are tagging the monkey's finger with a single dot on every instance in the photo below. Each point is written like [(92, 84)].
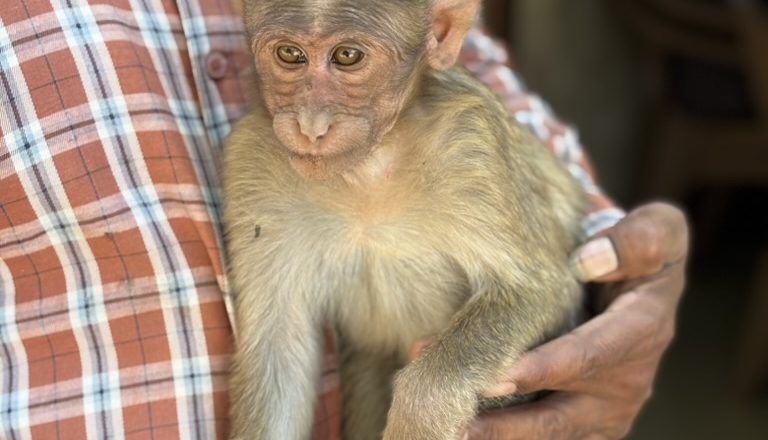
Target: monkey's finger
[(642, 244), (632, 327), (417, 349)]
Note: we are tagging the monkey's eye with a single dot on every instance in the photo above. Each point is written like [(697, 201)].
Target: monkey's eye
[(347, 56), (291, 55)]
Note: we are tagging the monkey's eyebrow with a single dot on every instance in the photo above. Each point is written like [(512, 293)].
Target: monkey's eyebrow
[(366, 40), (267, 33)]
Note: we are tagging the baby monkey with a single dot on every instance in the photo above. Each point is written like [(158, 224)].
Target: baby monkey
[(376, 190)]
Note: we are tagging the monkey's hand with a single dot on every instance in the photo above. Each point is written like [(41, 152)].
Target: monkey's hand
[(425, 407), (603, 372)]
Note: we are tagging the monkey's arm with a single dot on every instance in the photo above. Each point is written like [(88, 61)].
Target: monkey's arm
[(279, 331), (436, 396), (277, 364)]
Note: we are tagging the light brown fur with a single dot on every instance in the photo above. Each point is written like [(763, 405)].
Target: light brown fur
[(456, 224)]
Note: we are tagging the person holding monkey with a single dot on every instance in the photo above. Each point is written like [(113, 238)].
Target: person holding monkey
[(114, 319)]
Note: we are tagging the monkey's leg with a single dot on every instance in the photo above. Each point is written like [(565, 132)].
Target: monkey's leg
[(366, 387), (276, 371)]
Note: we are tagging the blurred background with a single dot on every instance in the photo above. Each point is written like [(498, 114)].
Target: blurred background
[(671, 99)]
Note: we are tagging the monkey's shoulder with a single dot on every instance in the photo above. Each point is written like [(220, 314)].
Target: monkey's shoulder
[(473, 127), (458, 82), (491, 164)]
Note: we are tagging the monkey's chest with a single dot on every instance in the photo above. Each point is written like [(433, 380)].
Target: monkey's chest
[(404, 290), (388, 284)]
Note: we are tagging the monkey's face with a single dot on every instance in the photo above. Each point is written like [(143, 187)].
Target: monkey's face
[(333, 95)]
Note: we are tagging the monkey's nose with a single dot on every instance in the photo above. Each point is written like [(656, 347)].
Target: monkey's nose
[(314, 125)]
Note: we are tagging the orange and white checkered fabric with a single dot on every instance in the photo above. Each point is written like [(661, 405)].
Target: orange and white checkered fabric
[(113, 317)]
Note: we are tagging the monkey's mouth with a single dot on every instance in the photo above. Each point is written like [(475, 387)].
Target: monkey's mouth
[(325, 151), (325, 165), (322, 149), (315, 156)]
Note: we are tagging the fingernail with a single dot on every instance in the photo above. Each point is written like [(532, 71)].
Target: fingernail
[(501, 390), (595, 259)]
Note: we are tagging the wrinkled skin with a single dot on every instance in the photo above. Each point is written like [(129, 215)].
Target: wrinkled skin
[(311, 102), (603, 372), (329, 116), (329, 113)]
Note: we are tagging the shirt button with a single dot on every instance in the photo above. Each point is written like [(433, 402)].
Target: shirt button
[(216, 64)]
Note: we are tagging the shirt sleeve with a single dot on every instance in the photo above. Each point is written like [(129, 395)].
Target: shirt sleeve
[(489, 61)]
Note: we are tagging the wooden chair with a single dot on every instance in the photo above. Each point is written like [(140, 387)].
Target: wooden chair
[(754, 363), (691, 150), (496, 16)]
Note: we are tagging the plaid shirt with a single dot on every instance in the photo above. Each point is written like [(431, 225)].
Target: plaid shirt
[(113, 310)]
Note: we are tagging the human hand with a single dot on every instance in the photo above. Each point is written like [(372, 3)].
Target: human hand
[(602, 373)]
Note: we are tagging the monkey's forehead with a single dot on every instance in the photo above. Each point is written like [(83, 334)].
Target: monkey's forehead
[(404, 21)]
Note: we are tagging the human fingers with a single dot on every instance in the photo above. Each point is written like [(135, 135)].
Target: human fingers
[(643, 243), (633, 327), (559, 416)]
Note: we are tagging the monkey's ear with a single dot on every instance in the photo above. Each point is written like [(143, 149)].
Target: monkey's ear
[(451, 21)]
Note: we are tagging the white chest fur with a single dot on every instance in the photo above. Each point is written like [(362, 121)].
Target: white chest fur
[(383, 283)]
